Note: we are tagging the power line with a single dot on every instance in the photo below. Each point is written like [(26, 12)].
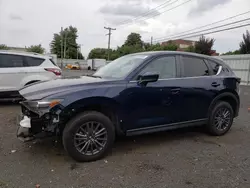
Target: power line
[(149, 12), (180, 36), (109, 34), (204, 26), (157, 14), (217, 31)]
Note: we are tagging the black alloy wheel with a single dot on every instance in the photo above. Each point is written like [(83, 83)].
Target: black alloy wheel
[(220, 118), (89, 136)]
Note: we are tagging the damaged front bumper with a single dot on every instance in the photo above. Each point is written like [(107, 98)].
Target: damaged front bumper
[(36, 123), (24, 127)]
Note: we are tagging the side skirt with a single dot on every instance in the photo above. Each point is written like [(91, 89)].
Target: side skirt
[(166, 127)]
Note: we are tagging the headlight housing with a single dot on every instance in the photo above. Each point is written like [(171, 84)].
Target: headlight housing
[(49, 103), (43, 104)]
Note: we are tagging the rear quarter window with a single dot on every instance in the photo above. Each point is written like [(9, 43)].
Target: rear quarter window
[(33, 61), (51, 60), (215, 66)]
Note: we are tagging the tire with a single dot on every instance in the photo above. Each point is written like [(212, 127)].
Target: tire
[(79, 125), (214, 126)]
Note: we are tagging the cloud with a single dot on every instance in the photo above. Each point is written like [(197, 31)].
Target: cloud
[(127, 12), (206, 5), (90, 20), (15, 17), (126, 9)]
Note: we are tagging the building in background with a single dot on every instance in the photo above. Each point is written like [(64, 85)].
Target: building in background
[(182, 44)]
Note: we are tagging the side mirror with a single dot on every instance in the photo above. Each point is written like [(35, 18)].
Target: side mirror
[(148, 77)]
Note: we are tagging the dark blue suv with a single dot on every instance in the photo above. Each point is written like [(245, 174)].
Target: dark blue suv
[(135, 94)]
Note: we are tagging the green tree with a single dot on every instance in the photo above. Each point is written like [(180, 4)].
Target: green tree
[(159, 47), (146, 46), (204, 45), (98, 53), (245, 44), (67, 37), (232, 52), (134, 39), (170, 47), (36, 48), (3, 47), (190, 49)]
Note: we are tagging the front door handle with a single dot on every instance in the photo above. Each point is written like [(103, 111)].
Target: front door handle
[(175, 91), (215, 84)]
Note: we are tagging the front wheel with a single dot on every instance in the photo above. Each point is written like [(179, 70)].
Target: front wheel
[(220, 119), (89, 136)]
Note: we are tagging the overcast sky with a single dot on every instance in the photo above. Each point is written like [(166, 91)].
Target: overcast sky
[(30, 22)]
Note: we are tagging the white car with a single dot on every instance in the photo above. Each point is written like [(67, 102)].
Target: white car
[(18, 69)]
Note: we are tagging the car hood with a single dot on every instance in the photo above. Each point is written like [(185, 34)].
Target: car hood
[(44, 89)]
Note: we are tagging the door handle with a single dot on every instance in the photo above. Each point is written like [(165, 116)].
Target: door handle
[(215, 84), (175, 91)]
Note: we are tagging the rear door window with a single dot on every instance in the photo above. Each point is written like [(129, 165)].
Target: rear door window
[(33, 61), (11, 61), (194, 67)]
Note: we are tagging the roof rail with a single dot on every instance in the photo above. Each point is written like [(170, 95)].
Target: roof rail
[(19, 51)]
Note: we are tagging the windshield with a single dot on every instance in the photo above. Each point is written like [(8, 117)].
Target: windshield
[(121, 67)]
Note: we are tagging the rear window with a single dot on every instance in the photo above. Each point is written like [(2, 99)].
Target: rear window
[(34, 61), (9, 60), (52, 61)]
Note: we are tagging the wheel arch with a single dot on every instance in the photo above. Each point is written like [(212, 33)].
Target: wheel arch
[(107, 106), (228, 96), (32, 82)]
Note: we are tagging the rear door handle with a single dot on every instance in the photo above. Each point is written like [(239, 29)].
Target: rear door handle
[(175, 91), (215, 84)]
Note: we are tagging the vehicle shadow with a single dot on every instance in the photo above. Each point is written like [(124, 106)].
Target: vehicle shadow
[(131, 144), (53, 147)]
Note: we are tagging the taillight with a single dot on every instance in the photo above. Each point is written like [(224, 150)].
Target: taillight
[(57, 72)]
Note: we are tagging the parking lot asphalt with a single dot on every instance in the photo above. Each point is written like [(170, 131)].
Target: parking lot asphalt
[(175, 159)]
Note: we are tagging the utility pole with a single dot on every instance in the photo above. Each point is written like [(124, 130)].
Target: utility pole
[(61, 47), (151, 40), (77, 52), (109, 34), (65, 43), (78, 47)]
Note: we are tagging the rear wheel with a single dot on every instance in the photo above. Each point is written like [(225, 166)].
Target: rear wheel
[(89, 136), (221, 119)]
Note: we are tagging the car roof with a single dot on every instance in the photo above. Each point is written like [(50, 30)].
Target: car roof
[(155, 53), (30, 54)]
